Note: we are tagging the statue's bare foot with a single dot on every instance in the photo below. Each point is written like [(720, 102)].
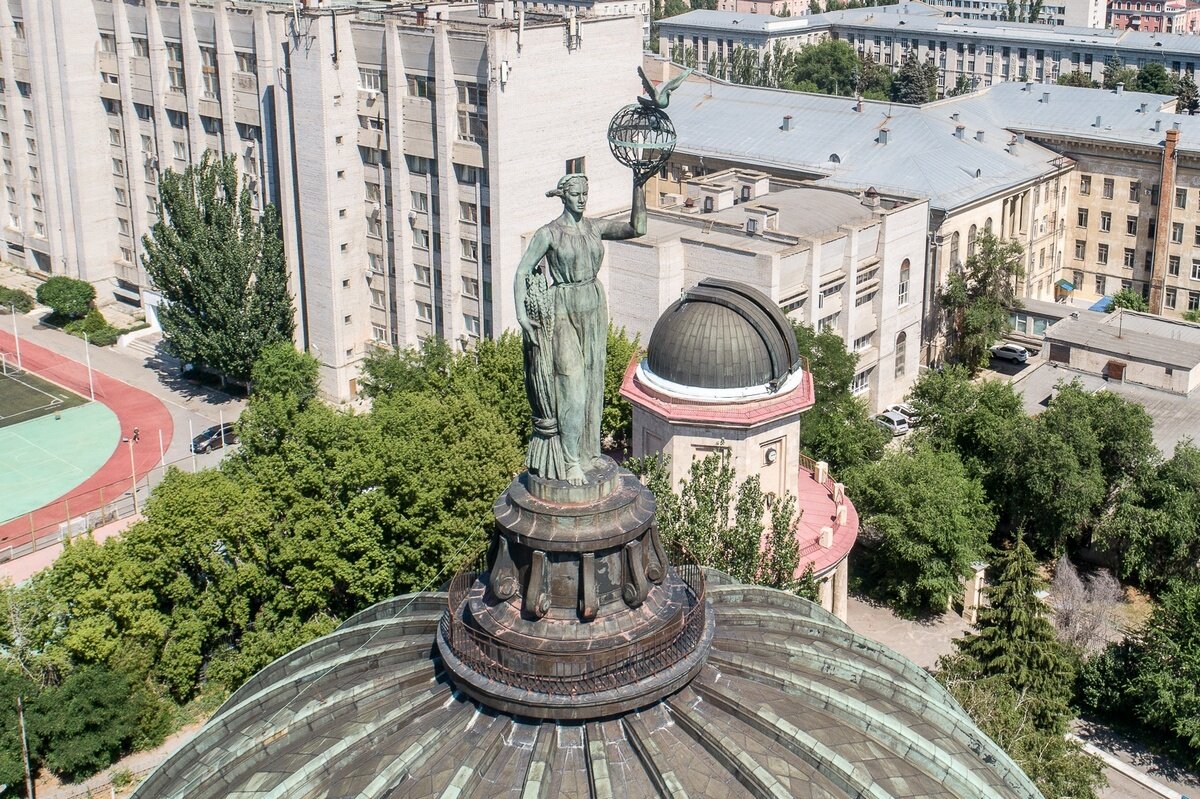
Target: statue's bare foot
[(575, 475)]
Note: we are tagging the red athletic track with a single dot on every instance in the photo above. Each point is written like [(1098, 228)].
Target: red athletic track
[(133, 407)]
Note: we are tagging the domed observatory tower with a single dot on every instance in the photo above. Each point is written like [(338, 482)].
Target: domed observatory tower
[(722, 371)]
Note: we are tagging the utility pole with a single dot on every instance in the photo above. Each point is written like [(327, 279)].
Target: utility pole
[(25, 750)]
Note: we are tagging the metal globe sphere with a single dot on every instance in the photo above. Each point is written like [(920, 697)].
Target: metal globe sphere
[(641, 138)]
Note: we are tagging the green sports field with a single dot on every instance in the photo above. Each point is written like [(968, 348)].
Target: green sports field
[(45, 457), (24, 397)]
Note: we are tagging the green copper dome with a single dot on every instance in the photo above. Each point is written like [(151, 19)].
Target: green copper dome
[(722, 335), (790, 703)]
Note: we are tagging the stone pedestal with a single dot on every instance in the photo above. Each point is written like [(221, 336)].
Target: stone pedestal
[(577, 613)]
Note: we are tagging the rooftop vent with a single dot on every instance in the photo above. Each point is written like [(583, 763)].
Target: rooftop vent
[(858, 105), (787, 123), (954, 116), (1099, 118), (1142, 108), (959, 130), (1175, 125), (979, 135), (978, 173), (1120, 88), (1029, 86), (883, 136), (1157, 125), (1045, 97), (871, 198), (1020, 137)]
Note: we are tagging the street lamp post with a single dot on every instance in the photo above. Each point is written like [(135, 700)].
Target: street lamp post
[(87, 354), (132, 474), (12, 309)]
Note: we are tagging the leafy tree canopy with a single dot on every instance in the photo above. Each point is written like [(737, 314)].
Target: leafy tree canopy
[(1077, 77), (1128, 298), (925, 520), (838, 428), (738, 529), (1155, 79), (832, 65), (220, 269), (1116, 72), (977, 299), (915, 81), (1186, 95)]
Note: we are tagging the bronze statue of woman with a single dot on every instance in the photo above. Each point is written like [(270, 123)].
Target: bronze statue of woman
[(564, 318)]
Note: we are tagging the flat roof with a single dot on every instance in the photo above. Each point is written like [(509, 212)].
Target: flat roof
[(1072, 111), (1176, 417), (802, 210), (1132, 335), (843, 148)]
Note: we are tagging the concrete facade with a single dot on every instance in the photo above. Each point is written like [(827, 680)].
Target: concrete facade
[(985, 51), (393, 145), (1172, 16)]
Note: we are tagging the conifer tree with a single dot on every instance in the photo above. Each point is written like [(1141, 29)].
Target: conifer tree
[(1015, 641)]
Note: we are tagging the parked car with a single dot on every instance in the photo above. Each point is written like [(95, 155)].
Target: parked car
[(892, 422), (1010, 352), (907, 411), (214, 437)]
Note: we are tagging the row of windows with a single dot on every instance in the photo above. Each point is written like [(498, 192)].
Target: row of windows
[(246, 62)]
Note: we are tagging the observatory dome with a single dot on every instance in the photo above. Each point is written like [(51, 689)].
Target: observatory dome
[(722, 335)]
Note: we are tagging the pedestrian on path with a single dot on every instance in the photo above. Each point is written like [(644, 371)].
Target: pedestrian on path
[(137, 435)]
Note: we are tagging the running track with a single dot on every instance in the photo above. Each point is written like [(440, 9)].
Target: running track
[(133, 407)]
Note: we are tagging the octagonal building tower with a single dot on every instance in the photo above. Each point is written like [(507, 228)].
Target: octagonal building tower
[(722, 371)]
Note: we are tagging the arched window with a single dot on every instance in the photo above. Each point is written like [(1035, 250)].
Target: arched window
[(954, 264), (987, 226), (971, 235), (901, 353), (902, 289)]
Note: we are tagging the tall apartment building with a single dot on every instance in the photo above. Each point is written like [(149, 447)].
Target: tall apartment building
[(848, 262), (983, 51), (407, 148)]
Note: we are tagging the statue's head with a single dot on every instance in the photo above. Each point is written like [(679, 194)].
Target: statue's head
[(573, 191)]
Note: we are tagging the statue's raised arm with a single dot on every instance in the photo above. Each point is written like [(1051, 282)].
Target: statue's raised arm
[(561, 306)]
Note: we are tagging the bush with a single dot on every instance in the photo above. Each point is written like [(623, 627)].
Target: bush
[(94, 718), (97, 328), (67, 296), (16, 298)]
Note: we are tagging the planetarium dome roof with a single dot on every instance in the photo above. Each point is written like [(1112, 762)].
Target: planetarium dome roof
[(790, 702), (722, 335)]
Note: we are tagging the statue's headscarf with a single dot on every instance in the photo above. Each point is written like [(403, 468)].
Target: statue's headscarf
[(561, 189)]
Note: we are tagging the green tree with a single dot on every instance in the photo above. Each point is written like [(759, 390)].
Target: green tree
[(1116, 72), (1192, 316), (838, 428), (961, 86), (220, 269), (1059, 766), (1154, 529), (1155, 79), (616, 423), (1128, 298), (12, 767), (1186, 96), (832, 66), (1077, 77), (926, 520), (915, 81), (93, 719), (874, 79), (977, 299), (1015, 642), (711, 520), (1152, 680), (283, 382), (67, 297)]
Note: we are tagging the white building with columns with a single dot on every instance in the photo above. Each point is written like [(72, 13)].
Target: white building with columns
[(394, 140)]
